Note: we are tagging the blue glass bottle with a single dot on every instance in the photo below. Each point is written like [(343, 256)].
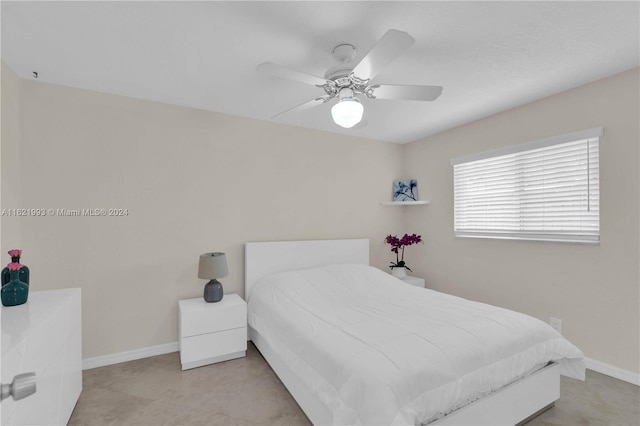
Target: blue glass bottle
[(15, 292)]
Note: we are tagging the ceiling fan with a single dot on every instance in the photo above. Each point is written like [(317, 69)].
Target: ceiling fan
[(347, 81)]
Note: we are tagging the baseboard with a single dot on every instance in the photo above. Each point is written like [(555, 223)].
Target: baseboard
[(615, 372), (101, 361)]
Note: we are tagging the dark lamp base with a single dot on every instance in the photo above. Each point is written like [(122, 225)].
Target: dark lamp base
[(213, 291)]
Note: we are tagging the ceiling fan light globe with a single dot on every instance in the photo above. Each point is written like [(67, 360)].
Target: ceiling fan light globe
[(347, 112)]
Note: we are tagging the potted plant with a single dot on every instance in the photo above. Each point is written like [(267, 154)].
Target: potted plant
[(399, 268)]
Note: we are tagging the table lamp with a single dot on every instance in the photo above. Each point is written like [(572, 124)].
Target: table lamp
[(212, 266)]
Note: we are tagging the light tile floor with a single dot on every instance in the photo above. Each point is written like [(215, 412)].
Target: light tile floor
[(245, 391)]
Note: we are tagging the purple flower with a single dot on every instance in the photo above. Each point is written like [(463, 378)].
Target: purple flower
[(398, 245)]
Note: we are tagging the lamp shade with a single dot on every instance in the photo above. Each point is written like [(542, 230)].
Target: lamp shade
[(212, 266), (347, 112)]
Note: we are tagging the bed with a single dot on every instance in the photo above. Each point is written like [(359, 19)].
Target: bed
[(354, 345)]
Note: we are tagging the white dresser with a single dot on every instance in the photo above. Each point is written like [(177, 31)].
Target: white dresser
[(43, 336), (212, 332)]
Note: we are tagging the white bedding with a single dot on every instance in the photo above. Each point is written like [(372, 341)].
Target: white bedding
[(378, 351)]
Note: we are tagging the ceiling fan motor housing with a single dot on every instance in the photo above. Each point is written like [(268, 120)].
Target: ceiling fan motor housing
[(342, 76)]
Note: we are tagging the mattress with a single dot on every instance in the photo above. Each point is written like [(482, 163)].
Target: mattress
[(375, 350)]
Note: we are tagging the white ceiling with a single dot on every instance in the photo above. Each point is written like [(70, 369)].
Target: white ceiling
[(489, 56)]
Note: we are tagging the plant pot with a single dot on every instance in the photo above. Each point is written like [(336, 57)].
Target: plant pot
[(399, 272)]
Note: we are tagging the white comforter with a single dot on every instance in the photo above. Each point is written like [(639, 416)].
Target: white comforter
[(378, 351)]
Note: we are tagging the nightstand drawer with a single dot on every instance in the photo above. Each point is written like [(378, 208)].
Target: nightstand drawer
[(212, 345), (199, 317)]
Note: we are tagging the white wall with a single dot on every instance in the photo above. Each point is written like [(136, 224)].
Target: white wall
[(193, 182), (594, 289), (9, 158)]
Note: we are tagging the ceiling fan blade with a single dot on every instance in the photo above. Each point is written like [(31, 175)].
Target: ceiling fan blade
[(392, 44), (291, 74), (306, 105), (401, 92)]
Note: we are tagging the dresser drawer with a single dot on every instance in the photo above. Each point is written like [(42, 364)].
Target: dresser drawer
[(199, 317), (213, 345)]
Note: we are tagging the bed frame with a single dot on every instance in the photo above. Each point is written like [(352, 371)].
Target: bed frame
[(512, 405)]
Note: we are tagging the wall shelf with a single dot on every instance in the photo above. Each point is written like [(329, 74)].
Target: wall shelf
[(405, 203)]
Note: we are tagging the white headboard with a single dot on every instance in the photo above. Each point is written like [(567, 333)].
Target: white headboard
[(265, 258)]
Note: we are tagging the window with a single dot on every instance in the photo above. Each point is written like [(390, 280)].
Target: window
[(544, 190)]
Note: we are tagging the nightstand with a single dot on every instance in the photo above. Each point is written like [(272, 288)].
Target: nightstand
[(415, 281), (212, 332)]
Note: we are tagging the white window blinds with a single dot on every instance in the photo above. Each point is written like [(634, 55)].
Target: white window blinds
[(543, 190)]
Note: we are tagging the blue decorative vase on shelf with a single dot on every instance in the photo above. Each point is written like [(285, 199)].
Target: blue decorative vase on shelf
[(24, 271), (15, 292)]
